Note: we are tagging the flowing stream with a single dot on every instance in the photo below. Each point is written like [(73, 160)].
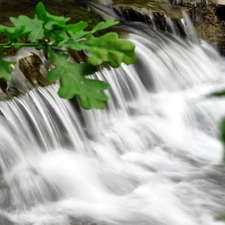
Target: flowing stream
[(152, 157)]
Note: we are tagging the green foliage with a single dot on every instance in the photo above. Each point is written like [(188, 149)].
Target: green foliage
[(222, 128), (219, 94), (107, 48), (221, 218), (46, 17), (33, 27), (104, 25), (13, 34), (6, 69), (87, 90), (52, 34)]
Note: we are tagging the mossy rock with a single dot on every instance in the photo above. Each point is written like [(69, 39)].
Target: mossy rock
[(144, 7), (75, 10), (208, 25)]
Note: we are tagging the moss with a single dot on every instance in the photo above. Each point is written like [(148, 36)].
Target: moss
[(76, 11), (209, 27)]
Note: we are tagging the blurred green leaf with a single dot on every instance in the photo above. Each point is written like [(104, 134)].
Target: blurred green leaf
[(104, 24), (13, 34), (32, 26), (217, 94), (221, 218), (46, 17), (74, 28), (6, 69), (222, 128)]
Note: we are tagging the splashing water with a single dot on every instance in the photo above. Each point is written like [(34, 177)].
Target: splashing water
[(151, 157)]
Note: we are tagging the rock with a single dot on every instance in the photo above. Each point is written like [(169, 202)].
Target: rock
[(208, 25), (74, 9), (29, 72), (220, 11), (34, 70), (208, 19)]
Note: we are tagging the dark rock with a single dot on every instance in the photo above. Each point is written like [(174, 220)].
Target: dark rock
[(74, 9), (208, 25), (208, 19), (152, 13), (34, 70), (220, 12)]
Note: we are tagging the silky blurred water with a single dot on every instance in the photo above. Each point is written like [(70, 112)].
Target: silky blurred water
[(153, 156)]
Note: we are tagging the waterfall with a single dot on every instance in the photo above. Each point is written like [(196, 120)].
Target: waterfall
[(153, 156)]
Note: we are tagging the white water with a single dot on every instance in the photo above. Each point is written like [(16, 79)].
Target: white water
[(152, 157)]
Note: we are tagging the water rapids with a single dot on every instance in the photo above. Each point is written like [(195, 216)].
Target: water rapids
[(153, 156)]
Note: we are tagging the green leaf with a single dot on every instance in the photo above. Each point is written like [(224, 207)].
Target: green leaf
[(56, 36), (107, 48), (55, 31), (59, 33), (74, 28), (13, 34), (77, 36), (221, 218), (217, 94), (32, 26), (105, 24), (43, 15), (73, 81), (222, 128), (6, 68)]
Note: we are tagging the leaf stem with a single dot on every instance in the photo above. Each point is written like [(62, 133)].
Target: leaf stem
[(7, 45)]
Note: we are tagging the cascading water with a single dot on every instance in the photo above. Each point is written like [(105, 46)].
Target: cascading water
[(151, 157)]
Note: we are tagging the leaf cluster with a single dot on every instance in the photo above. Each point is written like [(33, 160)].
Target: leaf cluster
[(55, 36)]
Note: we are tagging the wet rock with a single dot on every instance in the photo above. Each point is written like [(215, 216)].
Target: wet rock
[(208, 25), (220, 12), (34, 70), (208, 17), (29, 72), (162, 7), (153, 13)]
